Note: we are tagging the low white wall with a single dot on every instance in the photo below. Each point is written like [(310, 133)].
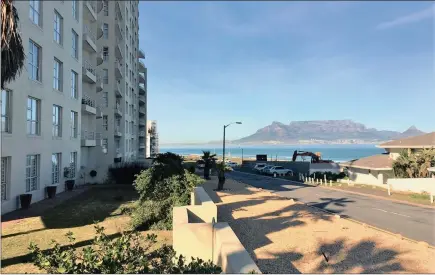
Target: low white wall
[(413, 185)]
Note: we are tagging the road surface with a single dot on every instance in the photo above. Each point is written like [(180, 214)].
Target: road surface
[(410, 221)]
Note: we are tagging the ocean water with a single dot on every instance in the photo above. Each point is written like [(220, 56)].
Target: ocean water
[(337, 153)]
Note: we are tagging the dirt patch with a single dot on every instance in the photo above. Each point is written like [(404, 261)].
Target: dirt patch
[(287, 237)]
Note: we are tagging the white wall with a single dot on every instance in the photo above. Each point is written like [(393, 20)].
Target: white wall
[(357, 175), (413, 185)]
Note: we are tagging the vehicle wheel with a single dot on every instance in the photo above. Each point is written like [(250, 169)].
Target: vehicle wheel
[(274, 175)]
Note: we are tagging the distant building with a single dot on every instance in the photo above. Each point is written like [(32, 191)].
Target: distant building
[(152, 140), (378, 169)]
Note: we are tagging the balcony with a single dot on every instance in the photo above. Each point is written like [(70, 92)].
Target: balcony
[(142, 79), (118, 110), (142, 146), (100, 58), (88, 105), (118, 49), (117, 132), (142, 89), (89, 74), (100, 5), (141, 54), (119, 11), (88, 139), (142, 111), (100, 83), (118, 152), (89, 39), (142, 122), (142, 68), (142, 100), (118, 69), (119, 29), (91, 10), (118, 90), (100, 31), (99, 111)]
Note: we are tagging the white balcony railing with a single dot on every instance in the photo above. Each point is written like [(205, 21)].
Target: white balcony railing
[(88, 135), (87, 100), (118, 107), (87, 30), (88, 67)]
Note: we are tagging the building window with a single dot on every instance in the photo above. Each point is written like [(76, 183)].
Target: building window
[(106, 7), (33, 114), (105, 122), (35, 12), (32, 172), (105, 76), (105, 145), (106, 54), (73, 164), (74, 120), (58, 25), (55, 167), (6, 111), (126, 107), (75, 9), (74, 85), (75, 44), (57, 75), (57, 121), (106, 99), (5, 177), (126, 127), (34, 60), (106, 31)]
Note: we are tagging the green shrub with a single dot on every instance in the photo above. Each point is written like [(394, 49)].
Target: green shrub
[(329, 175), (125, 172), (165, 185), (191, 169), (130, 253)]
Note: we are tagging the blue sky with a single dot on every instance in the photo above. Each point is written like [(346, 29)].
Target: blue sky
[(210, 63)]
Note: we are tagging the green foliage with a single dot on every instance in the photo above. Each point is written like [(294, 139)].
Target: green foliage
[(414, 165), (329, 175), (125, 172), (131, 253), (165, 185), (191, 169), (208, 158)]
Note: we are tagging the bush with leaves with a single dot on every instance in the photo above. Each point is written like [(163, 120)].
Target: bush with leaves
[(329, 175), (414, 165), (125, 172), (131, 253), (165, 185)]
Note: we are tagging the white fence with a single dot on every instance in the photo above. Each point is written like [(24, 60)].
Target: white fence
[(413, 185)]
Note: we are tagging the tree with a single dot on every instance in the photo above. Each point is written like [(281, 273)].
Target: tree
[(221, 168), (12, 47), (208, 159), (414, 165)]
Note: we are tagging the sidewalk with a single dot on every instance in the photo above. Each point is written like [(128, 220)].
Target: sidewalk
[(287, 237)]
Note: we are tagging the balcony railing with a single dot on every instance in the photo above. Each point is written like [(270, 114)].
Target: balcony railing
[(92, 4), (87, 100), (142, 110), (142, 133), (88, 67), (87, 30), (88, 135)]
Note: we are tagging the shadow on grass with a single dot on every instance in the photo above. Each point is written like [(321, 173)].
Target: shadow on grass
[(28, 257), (94, 205)]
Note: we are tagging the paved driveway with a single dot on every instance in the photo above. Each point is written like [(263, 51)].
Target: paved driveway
[(414, 222)]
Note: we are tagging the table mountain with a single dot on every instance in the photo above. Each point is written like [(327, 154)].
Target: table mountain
[(329, 131)]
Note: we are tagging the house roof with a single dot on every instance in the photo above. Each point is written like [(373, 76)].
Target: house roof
[(422, 141), (376, 162)]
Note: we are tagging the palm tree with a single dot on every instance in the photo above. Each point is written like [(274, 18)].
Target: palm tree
[(414, 165), (221, 168), (208, 158), (12, 47)]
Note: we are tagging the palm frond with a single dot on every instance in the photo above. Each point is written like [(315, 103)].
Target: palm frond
[(12, 55)]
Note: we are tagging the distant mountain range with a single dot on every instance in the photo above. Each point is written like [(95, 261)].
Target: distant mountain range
[(322, 131)]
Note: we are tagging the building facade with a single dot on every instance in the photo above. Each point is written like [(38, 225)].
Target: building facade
[(76, 103), (152, 139)]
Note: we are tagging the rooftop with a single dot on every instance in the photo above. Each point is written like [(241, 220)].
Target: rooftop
[(376, 162), (422, 141)]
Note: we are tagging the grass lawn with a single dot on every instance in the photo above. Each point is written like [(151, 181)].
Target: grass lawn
[(99, 204)]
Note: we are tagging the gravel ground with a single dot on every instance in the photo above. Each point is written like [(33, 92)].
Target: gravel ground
[(287, 237)]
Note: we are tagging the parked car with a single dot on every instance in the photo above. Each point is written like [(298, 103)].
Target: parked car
[(265, 169), (232, 164), (279, 171), (259, 166), (200, 164)]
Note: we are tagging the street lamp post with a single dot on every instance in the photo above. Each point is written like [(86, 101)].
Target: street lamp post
[(223, 142)]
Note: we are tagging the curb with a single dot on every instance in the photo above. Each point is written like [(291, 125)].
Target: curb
[(351, 192)]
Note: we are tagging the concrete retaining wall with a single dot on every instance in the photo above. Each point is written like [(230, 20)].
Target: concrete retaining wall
[(196, 234), (296, 166), (413, 185)]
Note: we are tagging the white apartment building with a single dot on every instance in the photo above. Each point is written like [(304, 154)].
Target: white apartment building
[(152, 139), (76, 103)]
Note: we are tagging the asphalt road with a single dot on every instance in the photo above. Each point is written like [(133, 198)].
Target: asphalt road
[(410, 221)]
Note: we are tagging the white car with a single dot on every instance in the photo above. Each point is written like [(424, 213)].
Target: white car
[(259, 166), (265, 169), (232, 164), (279, 171)]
